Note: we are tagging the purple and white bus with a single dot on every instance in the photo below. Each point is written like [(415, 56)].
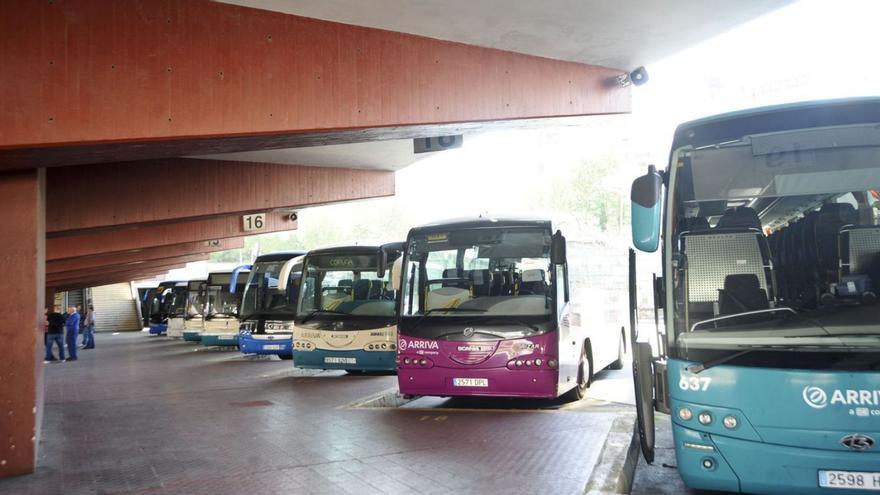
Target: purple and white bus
[(486, 310)]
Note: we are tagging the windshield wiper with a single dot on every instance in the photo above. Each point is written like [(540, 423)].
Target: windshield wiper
[(432, 310), (320, 311), (697, 368)]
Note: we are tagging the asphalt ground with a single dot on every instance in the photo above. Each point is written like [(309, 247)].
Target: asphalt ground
[(153, 415)]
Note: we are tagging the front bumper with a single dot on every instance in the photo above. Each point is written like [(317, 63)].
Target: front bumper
[(363, 360), (220, 340), (158, 328), (502, 382), (281, 345), (192, 335), (757, 467)]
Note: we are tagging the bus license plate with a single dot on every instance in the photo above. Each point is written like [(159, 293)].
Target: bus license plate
[(272, 347), (339, 360), (470, 382), (853, 480)]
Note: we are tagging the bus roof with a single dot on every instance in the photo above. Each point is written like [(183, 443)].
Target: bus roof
[(777, 118), (477, 222), (279, 256)]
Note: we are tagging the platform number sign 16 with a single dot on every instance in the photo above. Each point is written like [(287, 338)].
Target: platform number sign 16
[(694, 383), (256, 221), (437, 143)]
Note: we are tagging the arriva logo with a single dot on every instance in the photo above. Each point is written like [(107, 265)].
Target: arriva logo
[(417, 344), (815, 397)]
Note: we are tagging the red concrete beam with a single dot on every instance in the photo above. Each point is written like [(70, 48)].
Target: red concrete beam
[(58, 280), (156, 253), (135, 79), (115, 194), (164, 234), (133, 265), (22, 199), (112, 279)]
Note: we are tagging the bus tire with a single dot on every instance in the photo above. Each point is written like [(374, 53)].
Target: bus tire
[(585, 373), (618, 364), (286, 357)]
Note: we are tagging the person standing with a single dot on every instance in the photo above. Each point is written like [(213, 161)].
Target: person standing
[(89, 328), (72, 327), (54, 335)]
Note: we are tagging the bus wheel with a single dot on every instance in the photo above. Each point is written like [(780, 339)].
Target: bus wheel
[(583, 379), (286, 357), (617, 365)]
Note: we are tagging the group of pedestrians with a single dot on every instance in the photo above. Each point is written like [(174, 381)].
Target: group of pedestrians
[(61, 329)]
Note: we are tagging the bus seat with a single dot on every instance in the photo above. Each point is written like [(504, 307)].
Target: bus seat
[(692, 224), (482, 282), (831, 218), (533, 282), (712, 256), (741, 217), (742, 292), (859, 249), (361, 289)]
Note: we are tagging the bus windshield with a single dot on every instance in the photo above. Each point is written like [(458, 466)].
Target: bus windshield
[(195, 299), (176, 301), (219, 301), (262, 295), (344, 284), (479, 272), (776, 240)]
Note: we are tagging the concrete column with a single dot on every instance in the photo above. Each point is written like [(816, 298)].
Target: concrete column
[(22, 265)]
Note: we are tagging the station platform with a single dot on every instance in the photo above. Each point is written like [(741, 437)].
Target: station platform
[(141, 415)]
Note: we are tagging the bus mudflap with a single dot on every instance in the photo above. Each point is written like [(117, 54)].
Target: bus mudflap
[(643, 378)]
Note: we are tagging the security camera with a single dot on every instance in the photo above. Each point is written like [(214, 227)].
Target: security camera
[(293, 216), (637, 77)]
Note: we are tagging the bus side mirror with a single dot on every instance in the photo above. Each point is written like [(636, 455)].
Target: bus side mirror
[(382, 264), (557, 249), (646, 206)]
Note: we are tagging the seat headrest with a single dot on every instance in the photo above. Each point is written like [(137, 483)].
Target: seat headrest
[(740, 281), (346, 282), (451, 273), (481, 277), (533, 275), (741, 217), (361, 289), (844, 212)]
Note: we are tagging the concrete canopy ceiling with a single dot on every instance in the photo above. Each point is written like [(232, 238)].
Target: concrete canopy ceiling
[(623, 34)]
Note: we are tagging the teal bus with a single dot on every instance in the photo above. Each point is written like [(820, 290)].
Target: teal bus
[(768, 223)]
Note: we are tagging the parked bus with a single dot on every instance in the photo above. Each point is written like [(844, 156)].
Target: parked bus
[(193, 317), (345, 315), (487, 310), (175, 302), (770, 361), (222, 300), (269, 305), (160, 305)]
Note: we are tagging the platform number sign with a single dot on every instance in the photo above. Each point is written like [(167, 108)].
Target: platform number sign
[(437, 143), (257, 221)]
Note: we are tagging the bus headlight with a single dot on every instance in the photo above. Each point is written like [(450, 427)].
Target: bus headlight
[(730, 422), (705, 418), (685, 414)]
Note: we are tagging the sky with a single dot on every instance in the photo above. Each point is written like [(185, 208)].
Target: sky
[(813, 49)]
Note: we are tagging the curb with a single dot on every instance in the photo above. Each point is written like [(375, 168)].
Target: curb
[(616, 467)]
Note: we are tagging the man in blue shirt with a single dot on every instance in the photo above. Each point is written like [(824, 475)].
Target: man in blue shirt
[(72, 327)]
